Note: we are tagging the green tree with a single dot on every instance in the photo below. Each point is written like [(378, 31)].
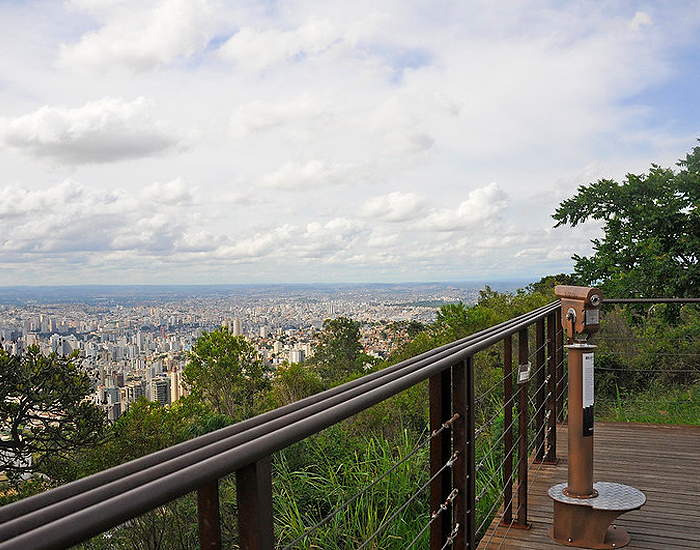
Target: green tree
[(338, 351), (651, 231), (226, 372), (44, 413), (292, 383)]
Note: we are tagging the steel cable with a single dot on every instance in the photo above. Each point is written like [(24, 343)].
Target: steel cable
[(434, 516), (373, 484), (422, 488)]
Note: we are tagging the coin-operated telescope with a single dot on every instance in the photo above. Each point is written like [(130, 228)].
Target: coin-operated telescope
[(583, 510), (580, 307)]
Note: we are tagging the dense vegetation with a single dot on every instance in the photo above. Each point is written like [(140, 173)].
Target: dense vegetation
[(648, 368)]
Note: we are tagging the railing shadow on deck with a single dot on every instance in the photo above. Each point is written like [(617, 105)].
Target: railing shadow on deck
[(77, 511)]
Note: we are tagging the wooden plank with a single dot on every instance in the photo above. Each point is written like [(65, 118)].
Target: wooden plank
[(662, 461)]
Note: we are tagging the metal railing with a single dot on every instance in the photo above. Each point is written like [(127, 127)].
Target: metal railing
[(635, 361), (529, 411)]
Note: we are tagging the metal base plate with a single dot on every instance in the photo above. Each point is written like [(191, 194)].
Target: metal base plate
[(611, 496)]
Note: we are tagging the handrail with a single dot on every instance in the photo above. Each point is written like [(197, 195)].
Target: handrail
[(72, 513), (224, 439), (651, 300)]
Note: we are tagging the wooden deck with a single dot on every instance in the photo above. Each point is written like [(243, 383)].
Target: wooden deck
[(662, 461)]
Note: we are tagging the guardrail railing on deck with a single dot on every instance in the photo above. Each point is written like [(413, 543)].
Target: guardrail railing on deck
[(75, 512)]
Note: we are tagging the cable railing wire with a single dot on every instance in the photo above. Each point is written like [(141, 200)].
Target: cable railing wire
[(656, 371), (434, 516), (505, 535), (484, 394), (536, 350), (497, 502), (451, 537), (373, 484), (401, 508), (488, 516)]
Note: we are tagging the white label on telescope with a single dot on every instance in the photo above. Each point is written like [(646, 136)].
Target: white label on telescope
[(587, 380)]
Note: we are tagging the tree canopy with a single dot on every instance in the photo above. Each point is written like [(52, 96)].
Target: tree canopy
[(226, 372), (338, 350), (651, 231), (43, 410)]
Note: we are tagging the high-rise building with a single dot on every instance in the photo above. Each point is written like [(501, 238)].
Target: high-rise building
[(296, 356), (160, 390)]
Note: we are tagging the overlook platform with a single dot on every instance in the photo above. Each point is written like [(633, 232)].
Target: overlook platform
[(660, 460)]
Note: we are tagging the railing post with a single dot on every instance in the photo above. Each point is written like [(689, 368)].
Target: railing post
[(560, 363), (507, 517), (551, 456), (464, 474), (523, 355), (440, 453), (208, 515), (541, 393), (254, 498)]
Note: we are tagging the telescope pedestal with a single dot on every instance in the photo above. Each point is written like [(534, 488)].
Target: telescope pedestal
[(586, 522)]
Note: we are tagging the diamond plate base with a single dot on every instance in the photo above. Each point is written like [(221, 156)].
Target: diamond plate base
[(585, 522), (611, 496)]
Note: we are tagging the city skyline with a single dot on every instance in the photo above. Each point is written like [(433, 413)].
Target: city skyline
[(202, 142)]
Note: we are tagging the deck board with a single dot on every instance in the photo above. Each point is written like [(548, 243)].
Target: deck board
[(662, 461)]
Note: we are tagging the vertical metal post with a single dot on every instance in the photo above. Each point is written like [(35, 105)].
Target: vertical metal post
[(440, 452), (551, 457), (471, 455), (464, 441), (507, 517), (254, 498), (208, 515), (560, 363), (523, 355), (580, 467), (540, 396)]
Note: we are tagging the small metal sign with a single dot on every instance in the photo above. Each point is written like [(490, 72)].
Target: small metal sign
[(523, 373), (588, 378), (588, 394)]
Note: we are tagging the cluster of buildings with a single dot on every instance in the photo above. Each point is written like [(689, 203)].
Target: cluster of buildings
[(137, 346)]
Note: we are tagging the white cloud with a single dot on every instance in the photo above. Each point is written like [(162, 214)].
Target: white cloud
[(140, 35), (256, 49), (393, 207), (259, 116), (304, 175), (482, 206), (175, 193), (355, 135), (106, 130), (640, 19), (381, 239), (67, 216)]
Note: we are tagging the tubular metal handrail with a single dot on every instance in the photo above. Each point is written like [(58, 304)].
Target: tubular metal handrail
[(81, 509)]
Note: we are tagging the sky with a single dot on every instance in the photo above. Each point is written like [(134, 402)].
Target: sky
[(205, 141)]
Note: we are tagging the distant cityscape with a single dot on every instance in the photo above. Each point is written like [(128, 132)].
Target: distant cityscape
[(132, 340)]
